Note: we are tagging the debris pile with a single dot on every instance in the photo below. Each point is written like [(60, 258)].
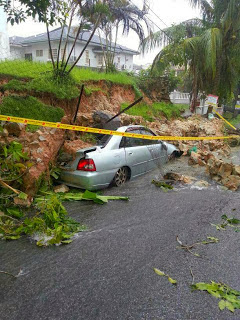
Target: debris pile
[(224, 172), (195, 126)]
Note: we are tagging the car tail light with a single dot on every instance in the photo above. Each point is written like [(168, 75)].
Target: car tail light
[(86, 165)]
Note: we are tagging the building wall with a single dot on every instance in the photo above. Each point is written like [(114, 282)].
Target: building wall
[(4, 39), (89, 58), (16, 52)]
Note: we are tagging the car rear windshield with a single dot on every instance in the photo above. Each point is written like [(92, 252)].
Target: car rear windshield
[(103, 140)]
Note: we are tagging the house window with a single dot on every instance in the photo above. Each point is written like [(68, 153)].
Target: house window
[(87, 57), (100, 60), (54, 53), (39, 53)]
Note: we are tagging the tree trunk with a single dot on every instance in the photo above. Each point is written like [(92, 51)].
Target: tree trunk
[(59, 46), (194, 91), (86, 45), (69, 29), (73, 46), (50, 46)]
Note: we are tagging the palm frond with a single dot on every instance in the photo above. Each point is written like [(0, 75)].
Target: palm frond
[(212, 45)]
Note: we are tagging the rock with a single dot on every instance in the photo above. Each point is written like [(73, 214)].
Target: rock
[(34, 144), (178, 177), (22, 202), (236, 170), (100, 119), (194, 158), (14, 129), (4, 133), (40, 150), (61, 189), (201, 184), (232, 182), (71, 147), (225, 170), (41, 138)]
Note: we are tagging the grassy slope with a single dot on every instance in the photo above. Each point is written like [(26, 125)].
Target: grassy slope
[(157, 110), (41, 80), (27, 69), (30, 107)]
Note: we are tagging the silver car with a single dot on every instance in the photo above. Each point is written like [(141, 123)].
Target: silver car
[(116, 160)]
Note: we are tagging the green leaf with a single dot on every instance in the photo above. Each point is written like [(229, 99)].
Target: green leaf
[(201, 286), (230, 306), (66, 241), (224, 217), (222, 304), (157, 271), (213, 239), (22, 196), (172, 280)]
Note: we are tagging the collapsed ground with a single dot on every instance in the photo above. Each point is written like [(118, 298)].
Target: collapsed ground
[(37, 149)]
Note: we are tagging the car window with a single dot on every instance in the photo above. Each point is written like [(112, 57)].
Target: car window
[(148, 133), (132, 142)]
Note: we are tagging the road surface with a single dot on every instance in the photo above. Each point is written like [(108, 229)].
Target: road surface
[(107, 272)]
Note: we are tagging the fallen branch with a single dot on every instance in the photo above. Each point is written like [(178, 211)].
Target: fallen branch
[(189, 248), (9, 187), (10, 274)]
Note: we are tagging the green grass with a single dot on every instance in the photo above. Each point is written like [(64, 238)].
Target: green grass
[(31, 108), (42, 81), (29, 69), (229, 117), (45, 84), (235, 121), (156, 110)]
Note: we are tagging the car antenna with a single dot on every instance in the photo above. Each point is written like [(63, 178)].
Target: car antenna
[(129, 107), (78, 104)]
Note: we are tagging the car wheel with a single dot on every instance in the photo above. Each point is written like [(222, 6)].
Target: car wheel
[(121, 177)]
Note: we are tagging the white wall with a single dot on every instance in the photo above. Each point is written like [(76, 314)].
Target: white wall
[(125, 59), (4, 39), (16, 52)]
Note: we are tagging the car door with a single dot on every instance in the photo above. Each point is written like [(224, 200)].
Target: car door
[(136, 153), (157, 151)]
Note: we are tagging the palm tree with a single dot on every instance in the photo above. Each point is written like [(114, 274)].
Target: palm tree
[(122, 15), (211, 53)]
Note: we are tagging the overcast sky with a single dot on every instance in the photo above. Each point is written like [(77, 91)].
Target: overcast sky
[(170, 11)]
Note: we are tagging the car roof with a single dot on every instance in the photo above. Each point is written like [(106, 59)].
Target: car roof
[(124, 129)]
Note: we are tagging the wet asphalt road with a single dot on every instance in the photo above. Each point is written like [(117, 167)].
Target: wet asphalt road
[(107, 272)]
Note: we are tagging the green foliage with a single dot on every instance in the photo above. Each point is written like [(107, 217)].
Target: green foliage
[(156, 110), (12, 162), (30, 107), (161, 273), (229, 297), (87, 195), (90, 89), (163, 185), (13, 165), (89, 137), (51, 225), (228, 222)]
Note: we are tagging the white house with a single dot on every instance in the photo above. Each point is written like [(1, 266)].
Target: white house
[(4, 39), (36, 48)]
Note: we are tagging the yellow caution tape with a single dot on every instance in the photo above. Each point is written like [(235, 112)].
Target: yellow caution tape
[(108, 132), (224, 119)]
